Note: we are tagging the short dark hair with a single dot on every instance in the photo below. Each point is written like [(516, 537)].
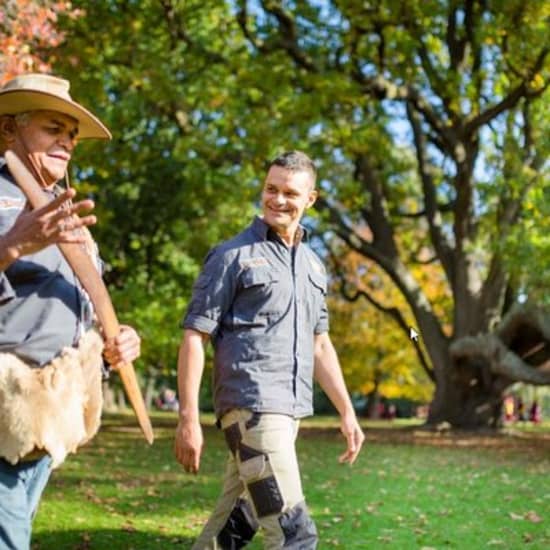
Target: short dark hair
[(295, 161)]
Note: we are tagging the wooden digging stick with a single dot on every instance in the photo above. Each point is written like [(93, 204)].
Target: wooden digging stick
[(91, 281)]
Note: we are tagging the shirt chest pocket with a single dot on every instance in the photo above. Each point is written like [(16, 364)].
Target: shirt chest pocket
[(260, 295)]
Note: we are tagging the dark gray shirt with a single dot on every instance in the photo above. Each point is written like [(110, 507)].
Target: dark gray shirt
[(41, 307), (262, 304)]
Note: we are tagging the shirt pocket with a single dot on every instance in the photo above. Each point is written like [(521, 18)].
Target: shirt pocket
[(258, 277), (258, 298)]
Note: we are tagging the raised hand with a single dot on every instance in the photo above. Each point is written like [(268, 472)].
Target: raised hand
[(54, 223)]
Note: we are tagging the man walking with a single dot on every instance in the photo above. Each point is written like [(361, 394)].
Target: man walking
[(260, 299)]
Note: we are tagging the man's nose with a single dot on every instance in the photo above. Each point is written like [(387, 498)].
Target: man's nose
[(279, 198), (67, 141)]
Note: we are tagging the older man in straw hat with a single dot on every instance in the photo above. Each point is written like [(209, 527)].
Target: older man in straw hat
[(50, 357)]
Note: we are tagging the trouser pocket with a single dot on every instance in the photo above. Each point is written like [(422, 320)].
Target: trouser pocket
[(257, 474)]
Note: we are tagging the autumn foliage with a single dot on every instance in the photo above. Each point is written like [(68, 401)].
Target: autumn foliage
[(28, 33)]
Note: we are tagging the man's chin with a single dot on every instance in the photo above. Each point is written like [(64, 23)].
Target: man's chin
[(51, 177), (279, 219)]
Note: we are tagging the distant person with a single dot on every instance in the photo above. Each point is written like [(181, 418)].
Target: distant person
[(509, 408), (535, 412), (50, 358), (520, 410), (260, 299), (167, 400)]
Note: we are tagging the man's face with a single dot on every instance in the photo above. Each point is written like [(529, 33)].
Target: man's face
[(48, 138), (285, 197)]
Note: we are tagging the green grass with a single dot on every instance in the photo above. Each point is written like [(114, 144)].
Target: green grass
[(407, 490)]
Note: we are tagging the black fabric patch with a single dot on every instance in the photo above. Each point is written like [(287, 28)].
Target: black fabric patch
[(266, 496), (240, 528), (232, 437), (246, 452), (253, 421), (298, 528)]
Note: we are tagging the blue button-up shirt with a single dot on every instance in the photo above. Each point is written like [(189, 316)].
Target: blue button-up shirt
[(42, 309), (262, 303)]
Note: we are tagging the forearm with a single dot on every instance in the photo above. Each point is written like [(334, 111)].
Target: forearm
[(328, 374), (8, 253), (190, 369)]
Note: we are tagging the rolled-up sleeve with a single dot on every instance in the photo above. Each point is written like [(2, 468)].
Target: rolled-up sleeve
[(213, 294), (323, 320)]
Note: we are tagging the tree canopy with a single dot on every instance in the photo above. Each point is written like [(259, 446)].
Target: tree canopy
[(428, 120)]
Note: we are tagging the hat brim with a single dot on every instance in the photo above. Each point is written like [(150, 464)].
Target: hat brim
[(13, 102)]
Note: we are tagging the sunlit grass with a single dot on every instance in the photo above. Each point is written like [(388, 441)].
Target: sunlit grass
[(118, 493)]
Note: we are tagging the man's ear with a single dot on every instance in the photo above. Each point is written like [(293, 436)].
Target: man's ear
[(7, 129), (312, 198)]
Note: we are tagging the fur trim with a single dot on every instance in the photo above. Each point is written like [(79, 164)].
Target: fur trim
[(55, 408)]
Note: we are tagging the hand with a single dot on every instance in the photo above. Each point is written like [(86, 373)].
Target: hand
[(354, 436), (123, 349), (54, 223), (188, 445)]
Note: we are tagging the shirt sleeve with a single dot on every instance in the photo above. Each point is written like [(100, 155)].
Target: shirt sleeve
[(319, 279), (323, 319), (6, 290), (10, 208), (213, 294)]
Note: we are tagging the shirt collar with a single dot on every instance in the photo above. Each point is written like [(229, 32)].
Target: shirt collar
[(4, 170), (263, 230)]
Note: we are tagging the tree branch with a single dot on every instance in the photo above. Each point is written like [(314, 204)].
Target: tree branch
[(392, 312), (508, 102), (433, 215), (489, 349), (447, 207), (288, 34), (382, 230), (178, 32)]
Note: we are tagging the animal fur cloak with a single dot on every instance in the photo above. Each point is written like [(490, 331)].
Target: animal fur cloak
[(53, 409)]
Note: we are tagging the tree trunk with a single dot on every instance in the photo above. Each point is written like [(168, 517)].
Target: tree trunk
[(470, 385), (465, 400), (373, 404)]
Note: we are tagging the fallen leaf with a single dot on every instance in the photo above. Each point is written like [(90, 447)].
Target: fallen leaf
[(533, 517)]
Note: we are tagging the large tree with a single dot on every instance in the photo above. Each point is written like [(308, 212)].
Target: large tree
[(433, 127), (428, 121)]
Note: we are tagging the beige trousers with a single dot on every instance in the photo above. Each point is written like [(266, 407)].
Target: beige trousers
[(263, 469)]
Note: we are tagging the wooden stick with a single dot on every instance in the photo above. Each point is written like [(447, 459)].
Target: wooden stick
[(91, 281)]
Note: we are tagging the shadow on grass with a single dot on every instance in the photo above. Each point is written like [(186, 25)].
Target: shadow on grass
[(107, 539)]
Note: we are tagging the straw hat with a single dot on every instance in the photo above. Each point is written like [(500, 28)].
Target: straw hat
[(42, 92)]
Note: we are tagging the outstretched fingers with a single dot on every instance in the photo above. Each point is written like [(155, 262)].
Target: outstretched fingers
[(64, 217)]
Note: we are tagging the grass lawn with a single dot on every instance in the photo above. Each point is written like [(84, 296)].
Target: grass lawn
[(408, 490)]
